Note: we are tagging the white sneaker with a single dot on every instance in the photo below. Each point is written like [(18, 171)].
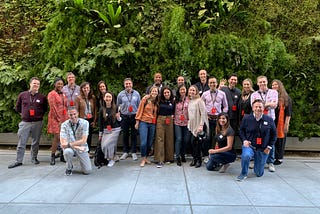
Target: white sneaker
[(124, 156), (206, 160), (271, 167), (111, 163), (224, 168), (134, 156)]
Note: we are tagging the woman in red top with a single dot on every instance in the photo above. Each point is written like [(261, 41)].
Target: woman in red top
[(57, 115)]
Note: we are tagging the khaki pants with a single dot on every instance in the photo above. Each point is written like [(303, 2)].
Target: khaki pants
[(164, 143)]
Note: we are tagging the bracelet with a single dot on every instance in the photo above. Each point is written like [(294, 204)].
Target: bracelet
[(269, 147)]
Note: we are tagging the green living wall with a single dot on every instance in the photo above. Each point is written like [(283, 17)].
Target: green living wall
[(110, 40)]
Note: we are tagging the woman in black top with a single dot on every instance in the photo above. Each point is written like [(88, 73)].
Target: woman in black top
[(223, 154), (244, 104)]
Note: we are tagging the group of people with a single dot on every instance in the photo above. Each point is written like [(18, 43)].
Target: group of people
[(205, 118)]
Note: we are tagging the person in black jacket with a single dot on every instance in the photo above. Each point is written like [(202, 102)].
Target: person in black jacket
[(258, 134)]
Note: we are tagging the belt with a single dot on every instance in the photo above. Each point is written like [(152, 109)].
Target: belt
[(128, 115), (212, 117)]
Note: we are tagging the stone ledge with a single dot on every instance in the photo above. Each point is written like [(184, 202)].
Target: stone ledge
[(293, 143)]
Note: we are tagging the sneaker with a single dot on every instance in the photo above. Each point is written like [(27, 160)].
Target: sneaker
[(206, 160), (224, 168), (68, 172), (13, 165), (124, 156), (277, 162), (134, 156), (160, 165), (116, 158), (111, 163), (271, 167), (35, 161), (241, 177)]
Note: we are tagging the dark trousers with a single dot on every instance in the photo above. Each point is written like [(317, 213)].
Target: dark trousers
[(89, 139), (196, 144), (215, 160), (127, 125), (279, 148), (207, 143)]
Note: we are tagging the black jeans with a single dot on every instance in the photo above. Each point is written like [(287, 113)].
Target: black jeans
[(127, 125)]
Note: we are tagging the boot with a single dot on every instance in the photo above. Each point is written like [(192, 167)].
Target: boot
[(183, 159), (53, 159), (193, 162), (178, 161), (198, 164), (62, 157)]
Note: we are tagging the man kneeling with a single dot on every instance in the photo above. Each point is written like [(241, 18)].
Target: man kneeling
[(73, 139)]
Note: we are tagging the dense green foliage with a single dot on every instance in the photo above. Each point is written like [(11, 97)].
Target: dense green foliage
[(113, 39)]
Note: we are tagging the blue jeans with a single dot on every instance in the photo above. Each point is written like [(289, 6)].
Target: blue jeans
[(182, 137), (271, 155), (215, 160), (260, 159), (146, 131)]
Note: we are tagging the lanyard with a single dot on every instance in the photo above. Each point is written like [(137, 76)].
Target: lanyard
[(213, 100), (74, 130), (71, 94), (128, 97), (88, 105), (265, 95)]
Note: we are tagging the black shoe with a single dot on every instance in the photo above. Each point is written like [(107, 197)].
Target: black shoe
[(198, 164), (277, 162), (178, 161), (68, 172), (13, 165), (62, 157), (183, 159), (53, 159), (35, 161), (193, 162)]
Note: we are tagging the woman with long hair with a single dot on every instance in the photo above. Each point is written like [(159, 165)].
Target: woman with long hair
[(57, 115), (102, 89), (198, 124), (244, 104), (182, 134), (87, 107), (164, 143), (282, 121), (146, 119), (109, 127), (223, 153)]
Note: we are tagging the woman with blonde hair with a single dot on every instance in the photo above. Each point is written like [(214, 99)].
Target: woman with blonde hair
[(244, 104), (283, 116)]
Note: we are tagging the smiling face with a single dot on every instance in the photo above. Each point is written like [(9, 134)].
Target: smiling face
[(108, 98), (128, 85), (262, 82), (34, 85), (203, 76), (166, 94), (73, 115), (180, 80), (71, 79), (222, 120), (192, 92), (58, 85), (154, 92), (102, 88), (183, 92), (275, 86), (157, 78), (213, 84), (233, 81), (86, 90), (258, 108), (246, 86)]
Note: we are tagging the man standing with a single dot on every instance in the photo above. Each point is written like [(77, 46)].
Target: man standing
[(270, 99), (73, 137), (233, 96), (157, 81), (203, 84), (71, 90), (128, 101), (216, 102), (258, 134), (32, 106)]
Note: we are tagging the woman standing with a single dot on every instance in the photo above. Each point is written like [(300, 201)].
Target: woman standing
[(223, 153), (109, 127), (57, 115), (180, 123), (197, 124), (146, 119), (87, 108), (102, 89), (164, 144), (244, 104), (282, 121)]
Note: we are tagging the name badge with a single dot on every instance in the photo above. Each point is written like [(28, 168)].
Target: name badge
[(64, 111), (71, 103), (38, 101), (89, 116), (259, 141), (234, 108), (213, 110), (167, 121), (265, 111), (31, 112), (154, 120), (265, 123), (130, 108), (182, 117)]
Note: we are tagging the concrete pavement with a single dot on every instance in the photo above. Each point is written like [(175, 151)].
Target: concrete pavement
[(128, 188)]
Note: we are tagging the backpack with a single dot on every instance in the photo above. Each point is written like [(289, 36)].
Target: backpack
[(98, 158)]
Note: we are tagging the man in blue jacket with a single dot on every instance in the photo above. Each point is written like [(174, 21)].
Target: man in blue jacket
[(258, 134)]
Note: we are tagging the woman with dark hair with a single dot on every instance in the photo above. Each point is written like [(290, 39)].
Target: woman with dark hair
[(182, 134), (109, 127), (198, 124), (223, 153), (102, 89), (57, 115), (282, 121), (87, 107), (164, 143)]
